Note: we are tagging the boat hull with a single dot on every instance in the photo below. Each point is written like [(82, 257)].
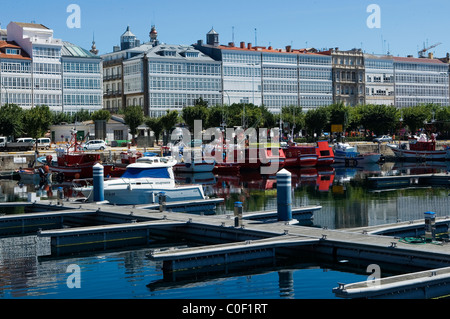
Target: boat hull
[(141, 196), (202, 167), (412, 155), (341, 157)]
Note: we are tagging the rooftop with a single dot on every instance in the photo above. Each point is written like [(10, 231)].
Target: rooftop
[(31, 25), (71, 50), (12, 45), (417, 60)]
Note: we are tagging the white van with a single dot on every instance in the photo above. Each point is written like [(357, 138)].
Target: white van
[(44, 142), (25, 140)]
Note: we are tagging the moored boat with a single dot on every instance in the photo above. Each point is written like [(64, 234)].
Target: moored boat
[(419, 148), (300, 156), (74, 163), (144, 181), (325, 154), (344, 153)]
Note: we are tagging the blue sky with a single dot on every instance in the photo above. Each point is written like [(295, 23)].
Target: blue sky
[(406, 25)]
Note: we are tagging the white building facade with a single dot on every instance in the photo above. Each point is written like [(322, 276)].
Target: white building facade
[(58, 74), (380, 81), (420, 81)]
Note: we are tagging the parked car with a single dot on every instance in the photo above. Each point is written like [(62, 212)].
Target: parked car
[(384, 138), (44, 142), (95, 145)]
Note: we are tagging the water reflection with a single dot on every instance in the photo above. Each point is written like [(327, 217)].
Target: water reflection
[(343, 192)]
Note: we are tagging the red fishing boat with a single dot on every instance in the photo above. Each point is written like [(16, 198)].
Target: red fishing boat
[(300, 156), (325, 154), (74, 163), (252, 158)]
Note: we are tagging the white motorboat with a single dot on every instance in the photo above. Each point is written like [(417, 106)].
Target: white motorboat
[(143, 182)]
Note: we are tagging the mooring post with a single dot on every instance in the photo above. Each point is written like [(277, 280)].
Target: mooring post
[(60, 195), (238, 214), (284, 195), (162, 201), (98, 174), (430, 226)]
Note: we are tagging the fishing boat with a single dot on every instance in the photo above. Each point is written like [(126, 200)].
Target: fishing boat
[(325, 154), (419, 148), (73, 162), (252, 158), (344, 153), (300, 156), (144, 181), (189, 159)]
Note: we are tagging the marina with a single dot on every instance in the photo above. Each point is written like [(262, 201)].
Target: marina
[(235, 236), (227, 232)]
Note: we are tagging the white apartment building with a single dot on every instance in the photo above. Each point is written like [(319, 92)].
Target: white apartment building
[(15, 75), (420, 81), (58, 74), (380, 84), (170, 77), (271, 77)]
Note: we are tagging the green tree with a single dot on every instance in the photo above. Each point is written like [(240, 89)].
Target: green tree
[(134, 116), (380, 119), (61, 117), (316, 120), (415, 117), (37, 121), (294, 116), (101, 115), (156, 125), (192, 113), (170, 120), (442, 121), (11, 120), (338, 115), (82, 116)]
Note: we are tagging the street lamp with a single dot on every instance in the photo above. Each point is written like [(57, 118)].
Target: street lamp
[(224, 122)]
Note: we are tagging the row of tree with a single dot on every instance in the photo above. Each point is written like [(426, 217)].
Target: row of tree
[(379, 119)]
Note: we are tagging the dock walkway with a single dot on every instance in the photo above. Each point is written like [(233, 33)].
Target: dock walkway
[(221, 241)]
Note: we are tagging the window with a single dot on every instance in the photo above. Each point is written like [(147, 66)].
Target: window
[(13, 51)]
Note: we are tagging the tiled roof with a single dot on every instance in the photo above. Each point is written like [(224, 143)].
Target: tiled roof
[(250, 48), (418, 60), (13, 45)]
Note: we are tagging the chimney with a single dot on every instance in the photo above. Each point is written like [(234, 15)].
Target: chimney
[(430, 55), (249, 46), (270, 48), (242, 45), (288, 48), (231, 44)]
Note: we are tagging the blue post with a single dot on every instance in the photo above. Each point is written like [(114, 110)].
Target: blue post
[(98, 174), (284, 195)]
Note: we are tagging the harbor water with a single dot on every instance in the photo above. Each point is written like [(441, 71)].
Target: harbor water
[(347, 201)]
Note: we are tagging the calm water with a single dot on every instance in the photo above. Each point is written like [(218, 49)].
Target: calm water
[(346, 202)]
